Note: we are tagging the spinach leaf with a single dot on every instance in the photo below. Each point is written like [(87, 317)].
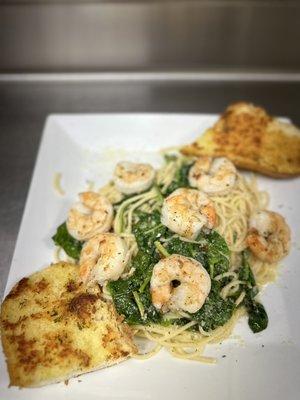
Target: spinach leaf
[(132, 296), (257, 316), (212, 251), (245, 271), (218, 254), (147, 230), (180, 179), (187, 249), (126, 292), (71, 246), (216, 311)]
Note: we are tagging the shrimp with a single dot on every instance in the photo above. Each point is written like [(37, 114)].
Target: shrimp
[(213, 176), (269, 236), (179, 283), (92, 215), (187, 211), (103, 258), (132, 178)]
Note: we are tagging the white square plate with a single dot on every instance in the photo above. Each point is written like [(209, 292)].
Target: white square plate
[(86, 147)]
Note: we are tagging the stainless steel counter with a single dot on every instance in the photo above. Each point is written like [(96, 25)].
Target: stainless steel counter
[(25, 105), (85, 35)]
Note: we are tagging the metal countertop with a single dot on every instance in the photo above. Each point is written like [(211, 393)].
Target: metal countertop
[(25, 105)]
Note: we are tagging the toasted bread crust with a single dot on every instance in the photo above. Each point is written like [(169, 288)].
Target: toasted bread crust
[(252, 140), (53, 328)]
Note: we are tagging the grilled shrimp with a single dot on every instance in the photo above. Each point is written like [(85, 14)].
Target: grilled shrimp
[(213, 176), (187, 211), (132, 178), (92, 215), (179, 283), (103, 258), (269, 236)]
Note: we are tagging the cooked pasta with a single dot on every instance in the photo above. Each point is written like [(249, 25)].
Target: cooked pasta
[(234, 211), (184, 334)]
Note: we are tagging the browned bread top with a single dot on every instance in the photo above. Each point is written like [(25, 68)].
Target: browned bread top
[(53, 328), (253, 140)]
